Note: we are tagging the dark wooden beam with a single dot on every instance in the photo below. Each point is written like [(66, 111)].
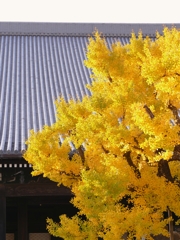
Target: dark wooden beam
[(2, 213), (22, 233), (36, 189)]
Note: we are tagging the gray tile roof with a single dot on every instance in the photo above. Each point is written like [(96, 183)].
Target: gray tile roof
[(38, 63)]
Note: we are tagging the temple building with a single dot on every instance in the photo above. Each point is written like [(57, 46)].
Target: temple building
[(38, 63)]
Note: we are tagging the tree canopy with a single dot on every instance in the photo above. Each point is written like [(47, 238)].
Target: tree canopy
[(118, 150)]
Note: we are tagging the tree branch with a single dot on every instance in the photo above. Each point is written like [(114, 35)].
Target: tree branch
[(104, 149), (127, 155), (176, 154), (175, 112), (149, 112), (164, 170), (80, 151)]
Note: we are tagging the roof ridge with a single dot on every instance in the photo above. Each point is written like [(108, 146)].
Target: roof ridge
[(62, 34), (42, 28)]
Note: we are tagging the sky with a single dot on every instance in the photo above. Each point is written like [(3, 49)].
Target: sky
[(92, 11)]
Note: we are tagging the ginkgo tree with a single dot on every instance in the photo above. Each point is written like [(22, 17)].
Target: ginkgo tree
[(124, 169)]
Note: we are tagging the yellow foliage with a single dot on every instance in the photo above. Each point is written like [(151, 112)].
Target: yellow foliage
[(124, 171)]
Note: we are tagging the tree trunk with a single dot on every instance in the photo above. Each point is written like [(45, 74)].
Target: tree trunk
[(170, 225), (164, 170)]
